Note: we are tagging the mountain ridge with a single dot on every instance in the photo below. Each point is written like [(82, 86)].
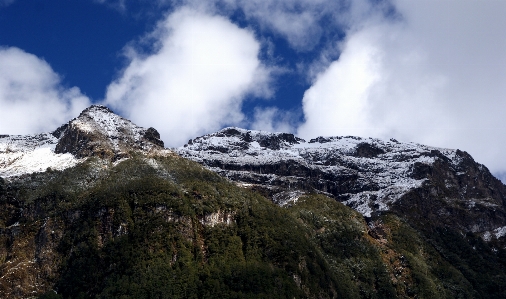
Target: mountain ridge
[(114, 214), (370, 175)]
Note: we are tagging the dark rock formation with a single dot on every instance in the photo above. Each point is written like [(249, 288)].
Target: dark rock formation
[(153, 136), (366, 150)]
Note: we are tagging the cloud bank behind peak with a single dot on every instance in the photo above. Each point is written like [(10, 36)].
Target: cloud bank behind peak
[(32, 99), (195, 80)]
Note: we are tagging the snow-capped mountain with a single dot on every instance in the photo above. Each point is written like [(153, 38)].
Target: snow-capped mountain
[(100, 209), (97, 131), (361, 172), (369, 175)]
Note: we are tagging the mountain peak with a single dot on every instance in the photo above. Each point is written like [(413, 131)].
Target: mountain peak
[(97, 108), (243, 138), (96, 132)]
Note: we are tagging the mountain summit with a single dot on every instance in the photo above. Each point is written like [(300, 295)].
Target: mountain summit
[(97, 131)]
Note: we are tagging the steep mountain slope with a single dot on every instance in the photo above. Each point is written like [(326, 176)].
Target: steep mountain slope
[(126, 218), (165, 227), (427, 184)]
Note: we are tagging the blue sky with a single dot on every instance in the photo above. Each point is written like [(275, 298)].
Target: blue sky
[(431, 72)]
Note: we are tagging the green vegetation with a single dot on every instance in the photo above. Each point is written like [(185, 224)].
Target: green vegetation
[(341, 235), (483, 267), (165, 227), (141, 232)]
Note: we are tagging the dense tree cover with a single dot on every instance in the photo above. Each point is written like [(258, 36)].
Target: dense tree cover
[(167, 228), (142, 234)]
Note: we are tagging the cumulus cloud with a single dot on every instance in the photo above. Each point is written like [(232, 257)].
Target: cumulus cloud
[(437, 77), (337, 103), (196, 79), (296, 20), (32, 98)]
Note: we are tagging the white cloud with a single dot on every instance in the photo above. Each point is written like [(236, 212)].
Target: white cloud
[(301, 22), (195, 81), (438, 77), (272, 119), (296, 20), (31, 96), (337, 104)]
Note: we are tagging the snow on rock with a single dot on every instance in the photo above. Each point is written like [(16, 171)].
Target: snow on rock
[(100, 119), (364, 173), (287, 197), (216, 218), (32, 153), (97, 131), (497, 233)]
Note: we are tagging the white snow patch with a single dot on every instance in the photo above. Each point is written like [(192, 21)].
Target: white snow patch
[(98, 118), (498, 233), (32, 153), (287, 198)]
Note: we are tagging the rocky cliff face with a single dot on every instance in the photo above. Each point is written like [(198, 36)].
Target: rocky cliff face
[(429, 184)]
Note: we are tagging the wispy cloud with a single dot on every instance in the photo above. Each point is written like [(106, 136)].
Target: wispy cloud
[(303, 23), (32, 98), (6, 2), (119, 5), (272, 119)]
